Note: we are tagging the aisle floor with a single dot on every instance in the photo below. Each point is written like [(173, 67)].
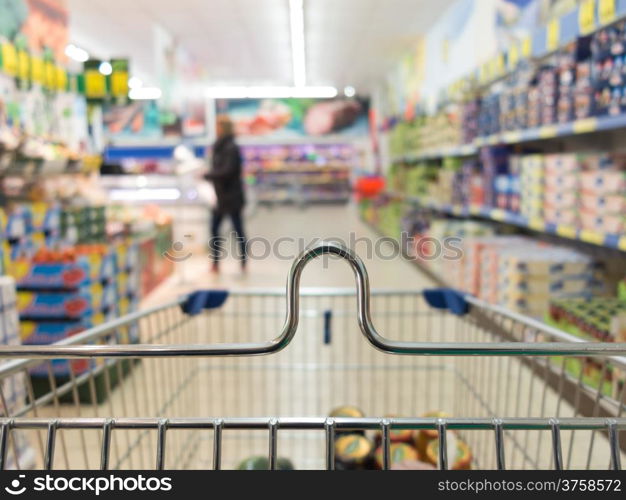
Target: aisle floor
[(303, 226)]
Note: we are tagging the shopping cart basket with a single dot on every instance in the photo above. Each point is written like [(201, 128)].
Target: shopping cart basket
[(205, 388)]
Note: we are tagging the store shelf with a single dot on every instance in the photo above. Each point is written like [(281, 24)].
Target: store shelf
[(612, 241), (578, 127), (432, 154), (546, 39), (304, 169)]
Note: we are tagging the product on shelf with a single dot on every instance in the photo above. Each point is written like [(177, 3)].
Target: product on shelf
[(598, 319), (455, 124), (300, 172), (561, 188), (64, 292), (607, 52)]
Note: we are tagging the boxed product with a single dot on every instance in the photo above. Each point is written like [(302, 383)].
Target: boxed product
[(603, 182), (83, 301)]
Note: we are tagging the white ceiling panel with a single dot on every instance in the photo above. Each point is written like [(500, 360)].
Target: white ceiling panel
[(348, 42)]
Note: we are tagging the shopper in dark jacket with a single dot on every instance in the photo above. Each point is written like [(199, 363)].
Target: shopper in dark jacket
[(225, 175)]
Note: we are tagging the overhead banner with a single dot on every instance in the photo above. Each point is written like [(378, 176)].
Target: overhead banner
[(297, 118), (44, 24), (119, 78), (95, 82)]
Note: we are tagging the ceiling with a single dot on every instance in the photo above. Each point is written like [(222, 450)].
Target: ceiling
[(348, 42)]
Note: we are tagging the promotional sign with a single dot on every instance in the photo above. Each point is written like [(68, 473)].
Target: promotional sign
[(136, 119), (285, 118), (44, 24), (95, 82), (119, 78)]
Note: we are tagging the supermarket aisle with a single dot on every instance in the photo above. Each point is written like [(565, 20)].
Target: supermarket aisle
[(280, 232)]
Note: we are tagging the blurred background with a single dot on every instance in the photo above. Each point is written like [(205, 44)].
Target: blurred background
[(475, 145)]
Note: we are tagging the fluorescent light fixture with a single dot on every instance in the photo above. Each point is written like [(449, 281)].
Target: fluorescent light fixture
[(105, 68), (298, 49), (349, 91), (314, 92), (269, 92), (76, 53), (145, 94), (144, 194), (227, 92), (135, 83)]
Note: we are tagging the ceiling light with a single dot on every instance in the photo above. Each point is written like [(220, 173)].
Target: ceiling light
[(105, 68), (267, 92), (226, 92), (76, 53), (298, 49), (145, 94), (145, 194), (349, 91), (314, 92), (135, 83)]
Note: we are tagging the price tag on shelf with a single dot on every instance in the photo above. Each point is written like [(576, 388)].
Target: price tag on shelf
[(566, 231), (119, 78), (498, 214), (482, 74), (548, 132), (587, 17), (61, 79), (500, 65), (50, 74), (527, 47), (119, 84), (585, 126), (9, 59), (553, 35), (592, 237), (37, 71), (513, 56), (537, 224), (606, 11), (95, 84), (512, 137), (488, 71), (23, 60)]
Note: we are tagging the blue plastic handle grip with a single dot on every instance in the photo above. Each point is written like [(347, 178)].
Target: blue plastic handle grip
[(328, 318)]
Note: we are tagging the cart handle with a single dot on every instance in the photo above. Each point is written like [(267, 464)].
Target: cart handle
[(290, 327)]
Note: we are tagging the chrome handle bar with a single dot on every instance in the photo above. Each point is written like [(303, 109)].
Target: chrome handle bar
[(291, 325)]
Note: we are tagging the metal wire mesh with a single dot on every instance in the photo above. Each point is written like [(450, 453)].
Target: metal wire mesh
[(212, 412)]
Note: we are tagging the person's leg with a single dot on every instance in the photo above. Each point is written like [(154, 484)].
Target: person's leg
[(241, 235), (214, 243)]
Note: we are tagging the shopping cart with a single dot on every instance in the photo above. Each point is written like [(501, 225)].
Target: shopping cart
[(206, 389)]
